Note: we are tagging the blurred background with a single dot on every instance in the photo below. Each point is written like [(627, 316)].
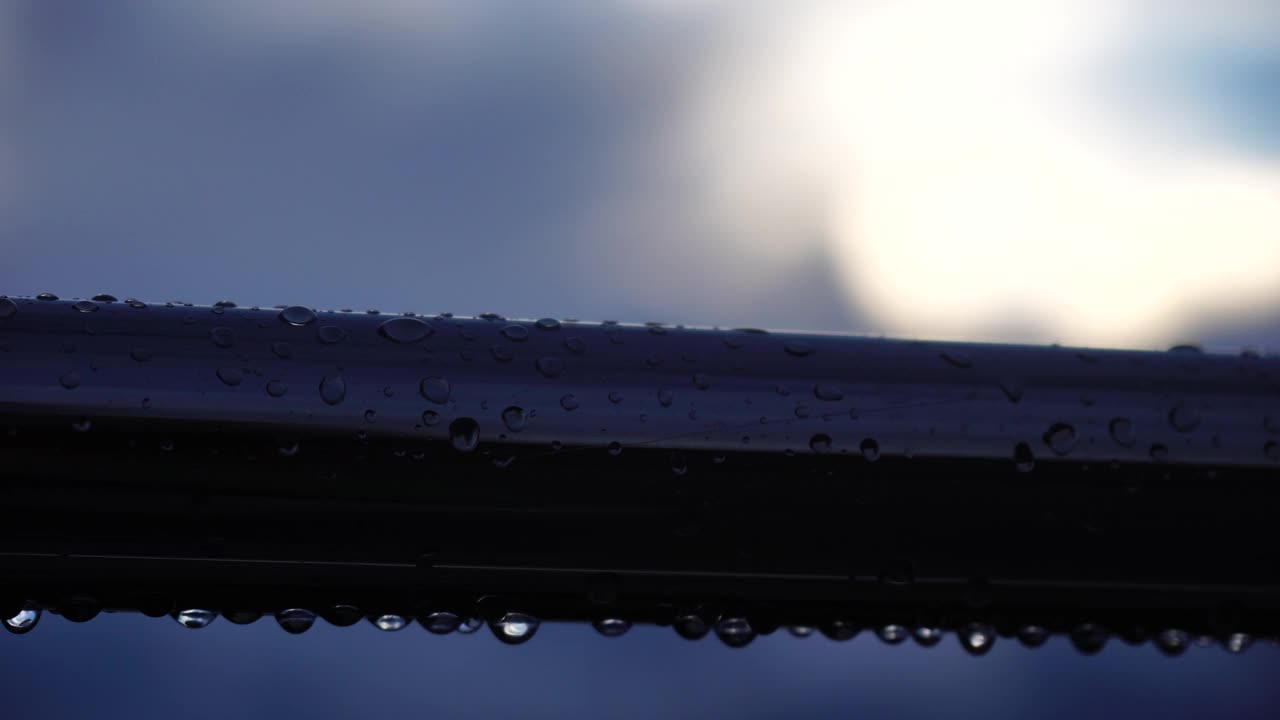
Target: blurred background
[(1088, 172)]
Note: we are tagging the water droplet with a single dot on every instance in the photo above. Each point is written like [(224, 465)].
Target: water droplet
[(679, 464), (140, 354), (802, 411), (135, 304), (46, 296), (81, 425), (390, 623), (615, 448), (548, 324), (277, 388), (611, 627), (839, 630), (1172, 642), (569, 402), (296, 621), (194, 619), (926, 636), (735, 632), (556, 445), (870, 449), (798, 349), (231, 376), (1023, 459), (957, 358), (441, 622), (405, 330), (333, 389), (615, 397), (1187, 348), (1012, 389), (977, 638), (25, 621), (800, 631), (1159, 452), (502, 353), (820, 443), (514, 628), (464, 434), (435, 389), (1237, 642), (330, 334), (1087, 399), (892, 634), (1061, 438), (146, 403), (701, 381), (8, 308), (85, 306), (287, 448), (828, 392), (1033, 636), (1089, 638), (491, 316), (104, 298), (297, 315), (70, 380), (370, 415), (1184, 419), (665, 397), (550, 366), (514, 418), (575, 345), (516, 333), (242, 617), (223, 337), (691, 627), (1272, 450), (342, 615), (1121, 429)]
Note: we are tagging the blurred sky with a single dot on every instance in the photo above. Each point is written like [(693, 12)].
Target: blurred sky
[(1086, 171)]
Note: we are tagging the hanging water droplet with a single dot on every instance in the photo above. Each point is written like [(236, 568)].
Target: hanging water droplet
[(230, 376), (798, 349), (679, 464), (333, 389), (1272, 450), (550, 366), (390, 623), (405, 330), (46, 296), (514, 418), (735, 632), (1061, 438), (1033, 636), (1172, 642), (1184, 419), (827, 392), (548, 324), (958, 358), (892, 634), (277, 388), (464, 434), (1159, 452), (435, 389), (839, 630), (85, 306), (516, 333), (575, 345), (1089, 638), (1121, 429), (611, 627), (297, 315), (81, 425), (1012, 389), (223, 337), (296, 621), (441, 622), (800, 631), (820, 443), (514, 628), (615, 448), (370, 415), (70, 380), (470, 625), (977, 638), (330, 334), (430, 417), (342, 615), (24, 621), (194, 619), (1237, 642), (926, 636), (701, 381), (691, 627), (1023, 459), (870, 449), (8, 308)]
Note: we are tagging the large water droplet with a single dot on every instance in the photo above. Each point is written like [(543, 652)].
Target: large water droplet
[(1121, 429), (46, 296), (104, 298), (691, 627), (8, 308), (194, 618), (223, 337), (840, 630), (330, 334), (977, 638), (230, 376), (1033, 636), (296, 621), (735, 632), (800, 631), (333, 389), (70, 380), (242, 617), (516, 333), (820, 443), (548, 324), (85, 306), (405, 330), (342, 615), (870, 449), (1023, 459), (1172, 642), (25, 621), (1061, 438), (828, 392), (569, 402), (441, 622), (277, 388), (435, 389), (514, 628), (1089, 638), (464, 434), (550, 366), (611, 627), (798, 349), (1184, 419), (389, 622), (514, 418), (892, 634), (297, 315), (926, 636), (1237, 642)]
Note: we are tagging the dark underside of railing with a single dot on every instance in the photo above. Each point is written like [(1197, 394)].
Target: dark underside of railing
[(165, 458)]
